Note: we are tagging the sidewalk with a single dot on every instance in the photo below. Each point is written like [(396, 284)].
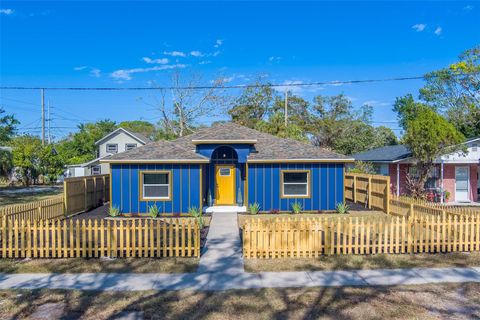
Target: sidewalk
[(221, 268)]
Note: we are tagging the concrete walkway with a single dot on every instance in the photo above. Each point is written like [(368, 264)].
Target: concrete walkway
[(221, 268)]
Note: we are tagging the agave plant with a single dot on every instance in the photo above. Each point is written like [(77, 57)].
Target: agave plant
[(153, 211), (113, 211), (342, 208), (297, 207), (254, 208), (196, 213)]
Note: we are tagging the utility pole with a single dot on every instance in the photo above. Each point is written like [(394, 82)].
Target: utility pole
[(49, 120), (43, 116), (286, 107)]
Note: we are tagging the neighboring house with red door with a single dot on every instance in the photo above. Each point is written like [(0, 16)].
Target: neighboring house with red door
[(455, 174)]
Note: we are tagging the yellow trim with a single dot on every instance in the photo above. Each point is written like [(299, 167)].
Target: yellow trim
[(245, 191), (201, 188), (110, 168), (233, 141), (309, 184), (140, 185), (234, 178), (299, 160), (175, 161)]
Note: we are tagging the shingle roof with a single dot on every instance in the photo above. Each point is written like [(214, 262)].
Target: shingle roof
[(268, 147), (384, 154)]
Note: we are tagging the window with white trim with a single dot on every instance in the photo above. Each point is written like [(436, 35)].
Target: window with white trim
[(112, 148), (96, 170), (156, 185), (295, 184), (130, 146)]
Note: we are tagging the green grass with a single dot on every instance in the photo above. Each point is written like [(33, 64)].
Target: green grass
[(18, 198), (78, 265), (355, 262), (444, 301)]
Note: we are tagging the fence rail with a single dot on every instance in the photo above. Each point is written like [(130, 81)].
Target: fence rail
[(167, 237), (371, 190), (44, 209), (306, 238), (79, 195)]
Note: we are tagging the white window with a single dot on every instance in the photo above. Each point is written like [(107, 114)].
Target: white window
[(474, 147), (295, 184), (96, 170), (225, 172), (130, 146), (112, 148), (156, 185)]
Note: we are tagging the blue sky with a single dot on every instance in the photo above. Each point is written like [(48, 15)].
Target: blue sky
[(126, 44)]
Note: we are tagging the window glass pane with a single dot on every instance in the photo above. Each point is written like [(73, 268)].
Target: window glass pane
[(155, 178), (295, 189), (155, 191), (224, 171), (130, 146), (295, 177)]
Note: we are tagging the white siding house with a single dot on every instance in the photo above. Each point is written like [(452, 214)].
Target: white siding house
[(118, 141)]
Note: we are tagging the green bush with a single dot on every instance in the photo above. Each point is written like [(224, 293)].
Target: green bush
[(342, 208), (153, 211), (297, 207), (196, 213), (113, 211), (254, 208)]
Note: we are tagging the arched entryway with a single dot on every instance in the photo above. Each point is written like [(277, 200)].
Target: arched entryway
[(224, 160)]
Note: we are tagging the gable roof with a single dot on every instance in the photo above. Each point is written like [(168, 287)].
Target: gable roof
[(384, 154), (137, 136), (268, 148)]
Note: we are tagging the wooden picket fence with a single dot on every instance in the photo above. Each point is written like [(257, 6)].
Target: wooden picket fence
[(313, 237), (373, 191), (45, 209), (169, 237), (79, 195)]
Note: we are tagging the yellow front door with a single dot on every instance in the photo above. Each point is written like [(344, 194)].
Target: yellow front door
[(225, 182)]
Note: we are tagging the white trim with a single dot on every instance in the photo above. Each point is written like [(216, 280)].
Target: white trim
[(117, 130), (398, 179), (468, 184)]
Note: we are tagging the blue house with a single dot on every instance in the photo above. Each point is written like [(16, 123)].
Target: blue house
[(226, 167)]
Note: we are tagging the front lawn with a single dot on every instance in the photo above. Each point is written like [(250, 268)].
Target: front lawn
[(444, 301), (79, 265), (20, 195), (355, 262)]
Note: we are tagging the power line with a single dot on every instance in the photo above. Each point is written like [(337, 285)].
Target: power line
[(240, 86)]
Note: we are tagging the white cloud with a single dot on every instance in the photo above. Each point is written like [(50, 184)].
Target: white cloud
[(96, 73), (438, 31), (218, 43), (376, 103), (196, 53), (419, 27), (274, 59), (152, 61), (175, 53), (7, 12), (468, 8), (126, 74), (205, 62), (336, 83)]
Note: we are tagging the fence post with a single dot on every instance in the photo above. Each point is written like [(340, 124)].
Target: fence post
[(387, 196), (369, 190), (354, 188), (85, 193), (65, 197)]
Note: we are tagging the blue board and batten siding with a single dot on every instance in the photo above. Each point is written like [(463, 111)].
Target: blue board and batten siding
[(326, 186), (126, 188)]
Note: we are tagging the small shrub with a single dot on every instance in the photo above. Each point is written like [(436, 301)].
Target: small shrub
[(153, 211), (113, 211), (342, 208), (274, 211), (196, 213), (297, 207), (254, 208)]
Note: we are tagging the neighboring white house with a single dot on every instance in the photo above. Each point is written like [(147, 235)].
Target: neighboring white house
[(118, 141)]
